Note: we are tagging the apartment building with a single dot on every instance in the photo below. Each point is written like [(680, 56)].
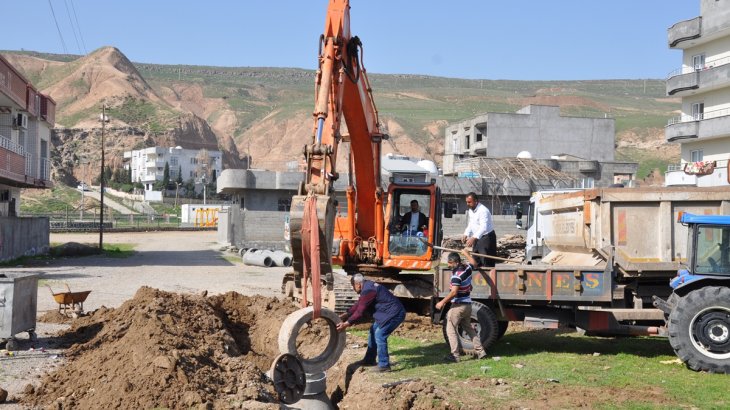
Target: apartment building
[(703, 83), (148, 165), (26, 120)]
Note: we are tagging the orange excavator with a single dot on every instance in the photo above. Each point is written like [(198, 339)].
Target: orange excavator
[(364, 234)]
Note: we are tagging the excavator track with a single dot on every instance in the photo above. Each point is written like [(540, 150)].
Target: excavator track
[(345, 296), (339, 299)]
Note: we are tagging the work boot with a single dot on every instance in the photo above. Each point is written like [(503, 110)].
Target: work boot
[(481, 355), (450, 358), (364, 363), (378, 369)]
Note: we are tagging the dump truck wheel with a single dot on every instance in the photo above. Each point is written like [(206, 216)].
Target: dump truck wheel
[(503, 325), (699, 329), (335, 345), (484, 321)]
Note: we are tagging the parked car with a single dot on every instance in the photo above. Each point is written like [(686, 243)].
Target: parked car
[(83, 187)]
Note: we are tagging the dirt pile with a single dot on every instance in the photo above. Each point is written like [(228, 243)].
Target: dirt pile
[(406, 395), (162, 349), (508, 246)]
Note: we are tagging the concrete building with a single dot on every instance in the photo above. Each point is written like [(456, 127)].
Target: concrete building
[(26, 120), (582, 148), (148, 165), (703, 83)]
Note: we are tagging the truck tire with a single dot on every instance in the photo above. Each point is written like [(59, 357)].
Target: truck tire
[(699, 329), (503, 325), (484, 322)]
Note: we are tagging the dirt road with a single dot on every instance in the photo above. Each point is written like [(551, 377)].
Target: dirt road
[(182, 262)]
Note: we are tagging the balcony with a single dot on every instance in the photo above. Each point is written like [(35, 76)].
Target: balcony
[(712, 76), (707, 125), (684, 31), (16, 167), (676, 176)]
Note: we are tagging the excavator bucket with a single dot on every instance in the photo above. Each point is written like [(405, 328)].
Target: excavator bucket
[(325, 209)]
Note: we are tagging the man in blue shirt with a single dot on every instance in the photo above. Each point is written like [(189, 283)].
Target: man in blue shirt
[(388, 313), (459, 313)]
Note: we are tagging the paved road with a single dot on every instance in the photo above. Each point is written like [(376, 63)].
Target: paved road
[(172, 261)]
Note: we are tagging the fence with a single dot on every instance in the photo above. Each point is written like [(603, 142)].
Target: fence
[(90, 222)]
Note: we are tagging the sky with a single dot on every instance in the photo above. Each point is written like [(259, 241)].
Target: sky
[(473, 39)]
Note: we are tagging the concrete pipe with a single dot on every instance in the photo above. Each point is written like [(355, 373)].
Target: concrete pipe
[(281, 258), (335, 345), (256, 257)]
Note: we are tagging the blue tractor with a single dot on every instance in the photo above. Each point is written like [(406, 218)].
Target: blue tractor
[(698, 311)]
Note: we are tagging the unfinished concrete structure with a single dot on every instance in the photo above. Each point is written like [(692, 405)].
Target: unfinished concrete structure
[(580, 148), (26, 120), (703, 83)]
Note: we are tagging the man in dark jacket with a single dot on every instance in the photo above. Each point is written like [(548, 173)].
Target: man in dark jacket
[(388, 313), (414, 221)]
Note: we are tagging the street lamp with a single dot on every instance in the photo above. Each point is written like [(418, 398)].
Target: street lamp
[(104, 119)]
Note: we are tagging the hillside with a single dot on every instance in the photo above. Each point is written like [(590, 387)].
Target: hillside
[(266, 112)]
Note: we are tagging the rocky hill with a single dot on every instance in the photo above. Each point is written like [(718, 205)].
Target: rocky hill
[(264, 114)]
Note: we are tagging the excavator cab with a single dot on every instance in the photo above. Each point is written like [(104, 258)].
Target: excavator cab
[(413, 219)]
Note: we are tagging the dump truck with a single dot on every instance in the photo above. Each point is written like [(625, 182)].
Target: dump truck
[(613, 253)]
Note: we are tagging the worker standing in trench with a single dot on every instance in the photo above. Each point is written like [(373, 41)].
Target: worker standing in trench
[(388, 314)]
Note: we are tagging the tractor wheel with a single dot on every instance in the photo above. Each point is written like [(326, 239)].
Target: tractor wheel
[(699, 329)]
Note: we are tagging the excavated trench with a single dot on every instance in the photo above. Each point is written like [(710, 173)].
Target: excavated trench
[(162, 349)]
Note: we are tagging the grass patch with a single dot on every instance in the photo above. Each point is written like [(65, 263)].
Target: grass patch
[(119, 250), (233, 259), (529, 359)]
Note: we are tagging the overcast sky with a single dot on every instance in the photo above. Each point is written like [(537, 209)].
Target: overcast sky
[(480, 39)]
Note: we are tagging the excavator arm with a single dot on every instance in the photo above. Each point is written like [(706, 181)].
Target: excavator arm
[(341, 90), (362, 243)]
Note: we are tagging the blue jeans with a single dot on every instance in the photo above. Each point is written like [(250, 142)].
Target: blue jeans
[(378, 340)]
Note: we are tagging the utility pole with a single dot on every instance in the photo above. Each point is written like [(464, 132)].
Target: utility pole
[(103, 118)]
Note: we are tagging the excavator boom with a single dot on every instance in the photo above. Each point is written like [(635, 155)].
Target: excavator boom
[(357, 239)]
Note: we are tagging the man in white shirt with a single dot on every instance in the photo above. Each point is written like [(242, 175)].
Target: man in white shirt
[(479, 233)]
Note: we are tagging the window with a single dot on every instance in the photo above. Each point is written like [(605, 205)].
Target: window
[(696, 155), (466, 141), (479, 137), (173, 161), (698, 62), (454, 145), (698, 111), (404, 238), (284, 204), (713, 250)]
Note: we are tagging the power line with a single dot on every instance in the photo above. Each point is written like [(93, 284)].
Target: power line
[(63, 43), (73, 7), (73, 29)]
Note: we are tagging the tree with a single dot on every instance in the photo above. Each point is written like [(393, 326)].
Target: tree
[(179, 175), (166, 175)]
